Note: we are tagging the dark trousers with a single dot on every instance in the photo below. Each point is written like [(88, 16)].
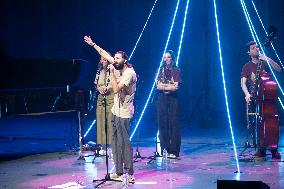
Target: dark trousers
[(168, 122), (121, 145)]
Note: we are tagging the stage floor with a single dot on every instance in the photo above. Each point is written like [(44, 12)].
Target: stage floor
[(205, 158)]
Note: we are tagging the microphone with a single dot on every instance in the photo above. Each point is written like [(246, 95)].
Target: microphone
[(107, 69)]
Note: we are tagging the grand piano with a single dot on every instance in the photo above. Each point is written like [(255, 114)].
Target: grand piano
[(44, 85), (40, 102)]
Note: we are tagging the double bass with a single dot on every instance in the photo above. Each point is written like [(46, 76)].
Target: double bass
[(268, 130), (262, 114)]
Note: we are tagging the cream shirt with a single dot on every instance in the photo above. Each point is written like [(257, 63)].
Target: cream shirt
[(123, 100)]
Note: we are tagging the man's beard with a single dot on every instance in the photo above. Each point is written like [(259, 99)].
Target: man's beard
[(255, 56), (118, 66)]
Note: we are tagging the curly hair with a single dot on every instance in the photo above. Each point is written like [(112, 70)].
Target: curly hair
[(250, 44)]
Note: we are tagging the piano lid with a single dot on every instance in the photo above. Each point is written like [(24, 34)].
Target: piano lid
[(19, 74)]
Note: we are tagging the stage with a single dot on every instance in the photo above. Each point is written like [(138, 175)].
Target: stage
[(206, 156), (47, 91)]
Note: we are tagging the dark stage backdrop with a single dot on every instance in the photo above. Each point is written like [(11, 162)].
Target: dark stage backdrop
[(54, 29)]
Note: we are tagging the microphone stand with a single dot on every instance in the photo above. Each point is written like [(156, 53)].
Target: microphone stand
[(156, 153), (100, 68), (96, 154), (107, 176), (137, 153)]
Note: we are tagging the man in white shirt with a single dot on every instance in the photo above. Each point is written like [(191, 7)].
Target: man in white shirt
[(124, 88)]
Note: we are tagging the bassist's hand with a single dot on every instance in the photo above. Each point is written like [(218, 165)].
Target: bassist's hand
[(263, 57)]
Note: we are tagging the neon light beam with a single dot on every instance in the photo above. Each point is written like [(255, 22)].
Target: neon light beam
[(183, 26), (224, 85)]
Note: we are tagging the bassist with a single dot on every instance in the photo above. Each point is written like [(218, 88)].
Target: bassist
[(250, 75)]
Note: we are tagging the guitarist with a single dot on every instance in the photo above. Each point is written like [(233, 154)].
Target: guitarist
[(248, 75)]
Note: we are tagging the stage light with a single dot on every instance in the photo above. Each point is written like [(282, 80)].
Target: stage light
[(281, 103), (251, 31), (266, 34), (55, 102), (183, 26), (91, 126), (155, 80), (224, 85), (142, 30)]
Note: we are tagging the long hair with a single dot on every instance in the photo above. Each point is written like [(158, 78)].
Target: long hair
[(166, 72), (171, 52)]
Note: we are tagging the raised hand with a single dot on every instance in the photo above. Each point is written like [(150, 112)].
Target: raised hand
[(88, 40), (101, 51)]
